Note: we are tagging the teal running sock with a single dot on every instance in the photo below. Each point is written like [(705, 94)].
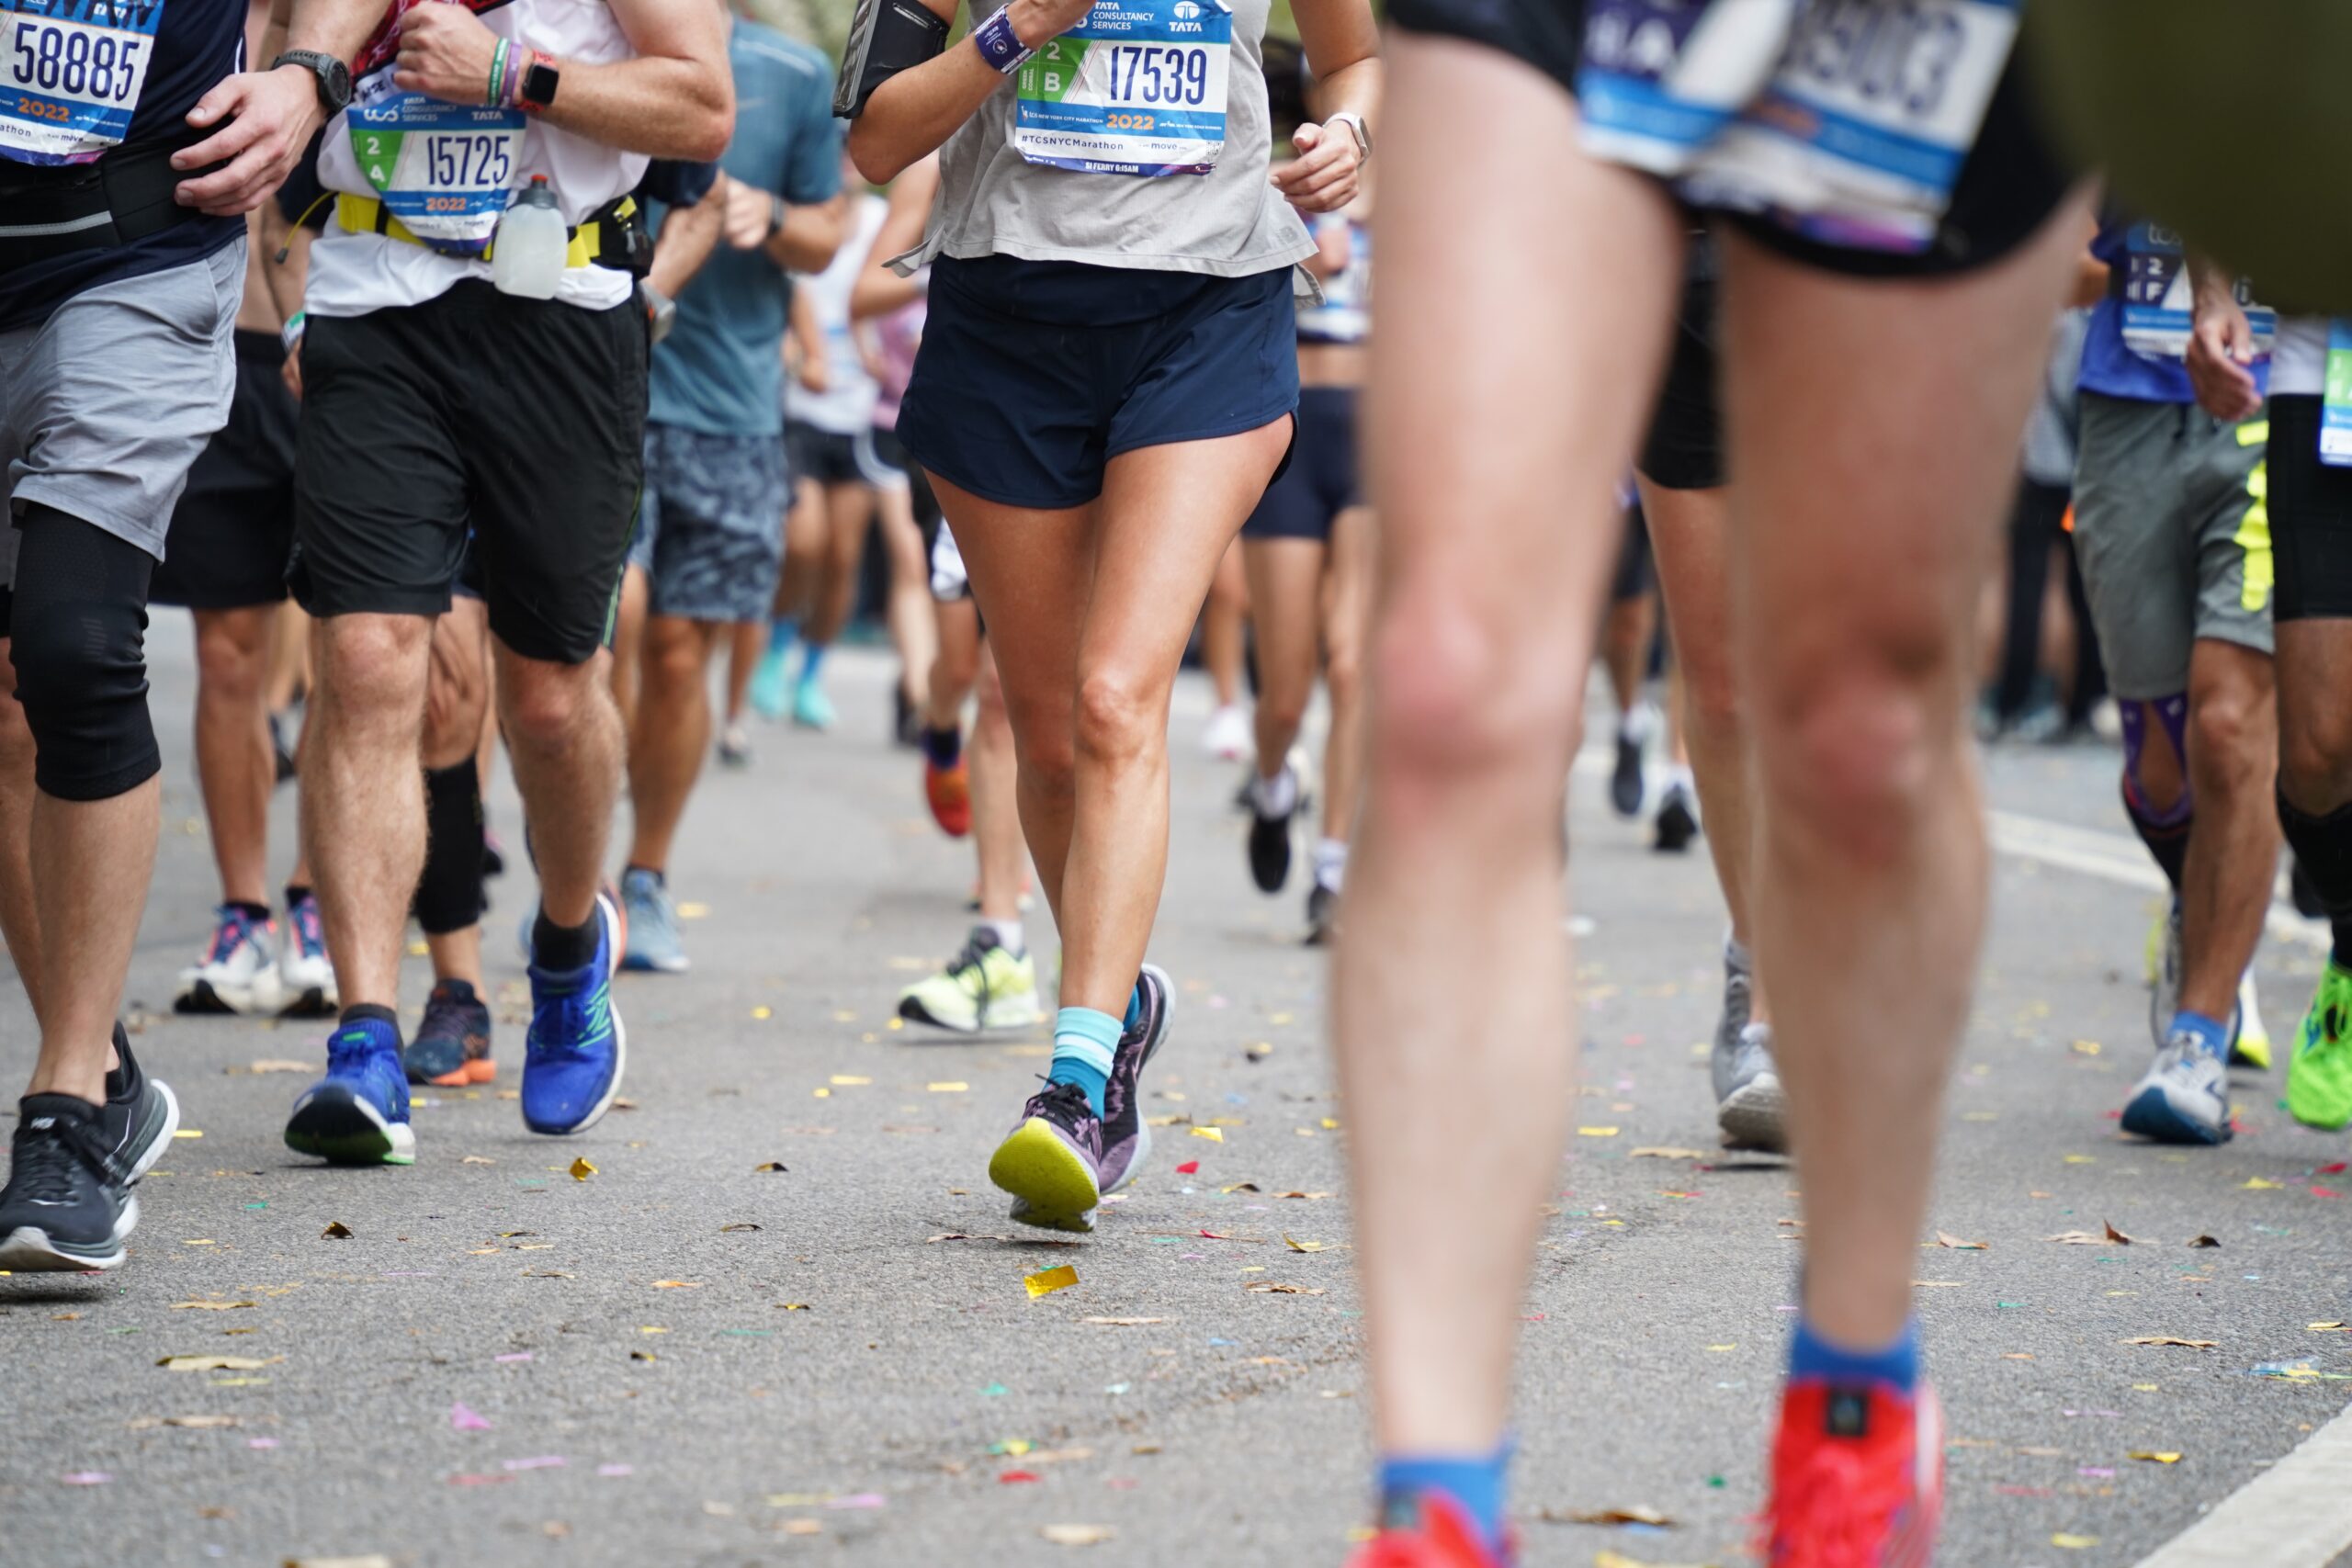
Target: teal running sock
[(812, 656), (1084, 1042), (1472, 1483), (1135, 1010), (782, 632)]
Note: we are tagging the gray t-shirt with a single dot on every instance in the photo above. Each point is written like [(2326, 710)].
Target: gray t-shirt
[(1229, 222)]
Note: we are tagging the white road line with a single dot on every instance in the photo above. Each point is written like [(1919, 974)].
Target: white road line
[(2124, 860), (2298, 1513)]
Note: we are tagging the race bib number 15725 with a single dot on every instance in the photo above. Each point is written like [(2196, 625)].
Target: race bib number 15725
[(70, 75)]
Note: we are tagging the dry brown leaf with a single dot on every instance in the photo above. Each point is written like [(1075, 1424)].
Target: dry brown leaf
[(209, 1306), (2203, 1241), (1945, 1238), (145, 1422), (2168, 1339), (2117, 1237), (1667, 1153), (336, 1230), (1635, 1515), (774, 1165), (1266, 1287)]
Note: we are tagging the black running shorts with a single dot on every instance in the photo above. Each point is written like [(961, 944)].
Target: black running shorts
[(2310, 517)]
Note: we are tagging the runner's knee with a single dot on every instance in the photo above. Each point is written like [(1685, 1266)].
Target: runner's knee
[(1458, 697), (231, 653), (78, 629), (1121, 719), (1853, 742)]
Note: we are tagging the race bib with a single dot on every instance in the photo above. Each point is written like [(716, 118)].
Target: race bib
[(70, 75), (1137, 88), (2336, 412), (1846, 120), (2155, 298), (442, 169)]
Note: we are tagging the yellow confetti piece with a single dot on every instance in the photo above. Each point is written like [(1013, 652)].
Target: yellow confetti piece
[(764, 1011), (2256, 1184), (187, 1132), (2074, 1542), (691, 912), (1297, 1245), (580, 1169), (895, 1024), (1596, 1132), (1330, 1123), (677, 1284), (2082, 1159), (844, 1015), (951, 1087), (418, 950), (2084, 1047), (1719, 1349), (2145, 1387), (1050, 1281), (848, 1080), (2154, 1456), (1278, 1018), (199, 1241), (652, 1330), (1213, 1134)]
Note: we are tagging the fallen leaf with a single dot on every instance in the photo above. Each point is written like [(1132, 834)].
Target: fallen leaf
[(209, 1306), (1077, 1535), (1266, 1287), (641, 1355), (2117, 1237), (145, 1422), (1046, 1281), (336, 1230), (1945, 1238), (2153, 1457), (2168, 1339), (2257, 1184), (2077, 1238), (848, 1080), (580, 1169), (477, 1160), (215, 1363), (2334, 1326), (2203, 1241), (741, 1225), (774, 1165), (1667, 1153), (1636, 1514)]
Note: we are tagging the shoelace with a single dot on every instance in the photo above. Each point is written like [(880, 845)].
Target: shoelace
[(308, 928), (1063, 1103), (1839, 1504), (973, 962), (564, 1021), (45, 1160)]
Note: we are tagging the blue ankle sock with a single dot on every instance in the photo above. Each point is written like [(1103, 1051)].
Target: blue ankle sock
[(782, 633), (1474, 1483), (1135, 1008), (2212, 1035), (1084, 1042), (944, 748), (812, 656), (1895, 1365)]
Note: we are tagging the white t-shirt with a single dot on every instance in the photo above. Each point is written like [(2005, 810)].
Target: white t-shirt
[(354, 274), (2298, 359), (846, 405)]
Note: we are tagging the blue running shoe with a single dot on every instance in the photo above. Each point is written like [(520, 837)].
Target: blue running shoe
[(574, 1054), (653, 941), (770, 692), (357, 1114), (2184, 1098)]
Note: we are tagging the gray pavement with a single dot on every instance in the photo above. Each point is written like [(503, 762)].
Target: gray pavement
[(683, 1360)]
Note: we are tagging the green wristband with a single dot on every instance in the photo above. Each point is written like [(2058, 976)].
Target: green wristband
[(497, 74)]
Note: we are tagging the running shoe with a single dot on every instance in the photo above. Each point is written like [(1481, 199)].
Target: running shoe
[(2185, 1098), (494, 854), (811, 709), (1678, 821), (452, 1045), (985, 986), (2165, 964), (734, 746), (1126, 1136), (1052, 1160), (1857, 1479), (1626, 784), (1322, 915), (2319, 1075), (305, 977), (357, 1114), (770, 692), (238, 972), (1751, 1108), (949, 791), (576, 1049), (2249, 1036), (1270, 847), (67, 1204), (653, 941), (1227, 737), (1429, 1531)]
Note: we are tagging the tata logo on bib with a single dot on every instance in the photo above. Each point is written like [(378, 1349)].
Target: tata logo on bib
[(1184, 9), (1187, 14)]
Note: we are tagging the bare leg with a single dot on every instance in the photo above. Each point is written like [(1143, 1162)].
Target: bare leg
[(955, 668), (564, 738), (2315, 669), (849, 508), (1626, 637), (1495, 456), (804, 552), (673, 732), (2233, 849), (628, 637), (1347, 618), (234, 761), (362, 796), (1221, 628), (914, 622), (92, 862), (1285, 598), (290, 656), (743, 645), (996, 810), (1865, 526)]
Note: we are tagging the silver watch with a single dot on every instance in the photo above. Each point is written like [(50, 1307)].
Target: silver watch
[(1356, 128)]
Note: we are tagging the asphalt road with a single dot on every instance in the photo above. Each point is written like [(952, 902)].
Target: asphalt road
[(686, 1359)]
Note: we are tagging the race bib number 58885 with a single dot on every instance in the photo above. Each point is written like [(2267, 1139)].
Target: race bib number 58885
[(1137, 88), (70, 75)]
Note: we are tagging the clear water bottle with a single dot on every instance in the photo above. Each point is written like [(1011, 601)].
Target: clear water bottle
[(527, 258)]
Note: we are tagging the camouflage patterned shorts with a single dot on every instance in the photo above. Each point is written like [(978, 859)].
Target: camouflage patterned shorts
[(710, 527)]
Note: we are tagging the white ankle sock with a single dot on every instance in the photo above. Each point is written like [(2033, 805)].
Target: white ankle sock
[(1008, 935), (1276, 796), (1330, 863)]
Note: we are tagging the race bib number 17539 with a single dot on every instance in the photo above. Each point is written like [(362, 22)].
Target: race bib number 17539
[(1137, 88), (70, 75)]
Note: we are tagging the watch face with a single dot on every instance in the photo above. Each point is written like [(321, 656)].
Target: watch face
[(539, 84)]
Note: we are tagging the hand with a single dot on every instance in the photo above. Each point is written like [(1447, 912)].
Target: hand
[(1322, 178), (1037, 22), (748, 215), (445, 53), (2221, 344), (292, 373), (270, 116), (814, 375)]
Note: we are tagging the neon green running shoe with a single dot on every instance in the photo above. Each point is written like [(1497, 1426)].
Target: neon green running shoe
[(2319, 1075), (984, 987)]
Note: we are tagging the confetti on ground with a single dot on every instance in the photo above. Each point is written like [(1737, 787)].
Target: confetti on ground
[(87, 1478), (848, 1080), (1945, 1238), (209, 1306), (1190, 1168), (677, 1284), (1213, 1134), (1596, 1132), (951, 1087), (1047, 1281), (2074, 1542), (2257, 1184), (463, 1419), (1297, 1245), (1667, 1154), (580, 1169), (216, 1363), (1076, 1535), (187, 1132), (2154, 1456), (336, 1230)]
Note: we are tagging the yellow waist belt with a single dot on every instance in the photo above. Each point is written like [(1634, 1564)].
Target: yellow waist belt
[(366, 215)]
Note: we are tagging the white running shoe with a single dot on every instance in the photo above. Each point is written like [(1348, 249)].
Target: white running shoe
[(1227, 736), (238, 972), (305, 979)]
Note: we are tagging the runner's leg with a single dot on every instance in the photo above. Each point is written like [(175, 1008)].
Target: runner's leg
[(19, 920), (234, 762), (2232, 855), (563, 736), (1346, 616), (1285, 577), (672, 733)]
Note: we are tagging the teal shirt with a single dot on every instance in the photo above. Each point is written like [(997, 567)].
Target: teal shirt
[(721, 371)]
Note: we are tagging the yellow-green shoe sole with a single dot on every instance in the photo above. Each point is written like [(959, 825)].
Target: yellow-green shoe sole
[(1036, 1166)]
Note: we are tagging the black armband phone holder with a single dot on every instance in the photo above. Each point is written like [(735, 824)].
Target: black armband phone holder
[(885, 37)]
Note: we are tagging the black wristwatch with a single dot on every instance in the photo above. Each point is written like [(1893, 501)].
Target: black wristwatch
[(333, 76), (539, 80)]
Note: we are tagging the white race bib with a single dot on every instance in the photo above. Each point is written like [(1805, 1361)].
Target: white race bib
[(444, 170), (1137, 88), (70, 72), (2155, 298)]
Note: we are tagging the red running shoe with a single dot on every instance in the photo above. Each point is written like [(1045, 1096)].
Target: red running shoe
[(1442, 1537), (949, 790), (1857, 1479)]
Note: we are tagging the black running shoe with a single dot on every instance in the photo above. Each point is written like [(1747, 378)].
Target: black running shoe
[(68, 1205), (1625, 778), (1269, 850), (452, 1045), (1677, 824), (1126, 1139), (1322, 915)]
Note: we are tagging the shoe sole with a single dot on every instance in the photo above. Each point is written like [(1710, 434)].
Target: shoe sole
[(2150, 1114), (2250, 1052), (28, 1249), (337, 1126), (316, 1001), (1756, 1116), (1026, 1213), (1040, 1169), (635, 964), (616, 930), (203, 997)]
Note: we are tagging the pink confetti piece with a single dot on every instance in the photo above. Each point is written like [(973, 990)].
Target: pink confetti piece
[(2099, 1472), (543, 1461), (514, 1356), (465, 1420), (479, 1480), (610, 1470), (261, 1442), (87, 1478), (858, 1500)]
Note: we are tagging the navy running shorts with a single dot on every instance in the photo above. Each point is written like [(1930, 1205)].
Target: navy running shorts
[(1321, 480), (1034, 374)]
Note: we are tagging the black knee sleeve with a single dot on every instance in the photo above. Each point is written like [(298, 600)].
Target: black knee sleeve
[(2323, 847), (77, 627), (449, 892)]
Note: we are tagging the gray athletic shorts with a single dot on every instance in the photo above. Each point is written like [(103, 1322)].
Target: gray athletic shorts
[(2173, 536), (710, 524), (106, 405)]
